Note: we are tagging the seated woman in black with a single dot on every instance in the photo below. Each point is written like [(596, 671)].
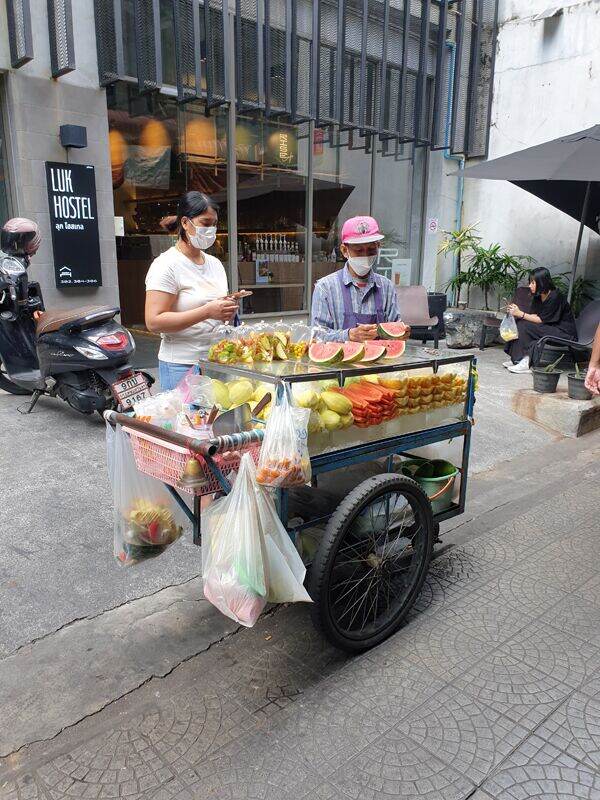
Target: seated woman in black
[(550, 315)]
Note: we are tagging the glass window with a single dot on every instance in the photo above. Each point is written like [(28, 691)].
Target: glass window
[(272, 168), (342, 189), (158, 151), (397, 170)]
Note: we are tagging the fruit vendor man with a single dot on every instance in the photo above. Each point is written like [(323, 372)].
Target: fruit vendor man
[(351, 301)]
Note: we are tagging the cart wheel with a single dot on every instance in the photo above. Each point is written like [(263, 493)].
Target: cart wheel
[(372, 561)]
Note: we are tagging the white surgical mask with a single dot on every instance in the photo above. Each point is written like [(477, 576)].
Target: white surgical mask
[(361, 264), (204, 237)]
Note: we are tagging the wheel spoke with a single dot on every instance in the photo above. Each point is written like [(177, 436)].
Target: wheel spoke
[(378, 562)]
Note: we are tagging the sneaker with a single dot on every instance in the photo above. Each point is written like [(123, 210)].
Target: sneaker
[(507, 364), (522, 366)]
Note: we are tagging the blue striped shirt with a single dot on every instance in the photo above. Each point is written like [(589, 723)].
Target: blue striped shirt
[(328, 302)]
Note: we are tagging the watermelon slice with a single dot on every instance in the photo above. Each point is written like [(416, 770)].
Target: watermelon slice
[(326, 353), (373, 352), (394, 347), (393, 330), (353, 351)]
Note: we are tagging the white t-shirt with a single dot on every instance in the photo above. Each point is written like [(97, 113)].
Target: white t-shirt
[(194, 285)]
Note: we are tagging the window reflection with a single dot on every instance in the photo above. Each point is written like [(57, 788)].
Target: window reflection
[(158, 151), (272, 167)]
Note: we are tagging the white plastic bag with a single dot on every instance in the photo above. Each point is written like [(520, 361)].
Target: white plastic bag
[(284, 459), (508, 328), (234, 560), (286, 569), (146, 517)]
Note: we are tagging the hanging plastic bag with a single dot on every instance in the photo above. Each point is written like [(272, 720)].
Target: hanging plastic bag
[(234, 560), (146, 517), (284, 459), (508, 328), (286, 569)]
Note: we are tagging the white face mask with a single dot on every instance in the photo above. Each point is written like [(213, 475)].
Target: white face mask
[(361, 264), (204, 237)]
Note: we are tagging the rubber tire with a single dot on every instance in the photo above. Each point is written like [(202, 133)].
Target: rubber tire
[(362, 495), (12, 388)]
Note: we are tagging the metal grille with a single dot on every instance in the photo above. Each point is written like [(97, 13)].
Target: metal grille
[(279, 32), (442, 76), (213, 35), (353, 59), (60, 30), (148, 45), (421, 127), (108, 16), (19, 32), (462, 69), (301, 96), (330, 30), (249, 55), (186, 24), (482, 78)]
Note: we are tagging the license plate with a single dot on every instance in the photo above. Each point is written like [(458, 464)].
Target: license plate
[(131, 390)]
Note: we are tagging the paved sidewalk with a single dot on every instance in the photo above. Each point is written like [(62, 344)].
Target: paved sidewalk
[(491, 691)]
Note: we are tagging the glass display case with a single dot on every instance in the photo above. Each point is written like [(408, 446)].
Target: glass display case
[(355, 404)]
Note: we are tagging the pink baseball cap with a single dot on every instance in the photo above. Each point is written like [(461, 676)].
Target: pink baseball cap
[(361, 230)]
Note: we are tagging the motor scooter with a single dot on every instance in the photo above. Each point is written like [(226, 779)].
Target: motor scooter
[(80, 355)]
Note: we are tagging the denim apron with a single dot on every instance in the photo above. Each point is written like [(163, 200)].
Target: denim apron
[(351, 318)]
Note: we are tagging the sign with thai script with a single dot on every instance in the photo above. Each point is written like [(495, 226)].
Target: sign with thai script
[(74, 224)]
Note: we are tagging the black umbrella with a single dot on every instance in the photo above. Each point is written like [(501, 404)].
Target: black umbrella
[(564, 172)]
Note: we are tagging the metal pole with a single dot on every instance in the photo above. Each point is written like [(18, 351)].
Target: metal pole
[(308, 246), (231, 156), (586, 202)]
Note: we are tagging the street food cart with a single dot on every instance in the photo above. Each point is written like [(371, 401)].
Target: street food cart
[(375, 545)]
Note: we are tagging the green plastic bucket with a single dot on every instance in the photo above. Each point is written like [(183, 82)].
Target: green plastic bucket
[(436, 477)]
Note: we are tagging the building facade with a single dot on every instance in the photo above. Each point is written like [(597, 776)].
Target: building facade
[(546, 85), (292, 114)]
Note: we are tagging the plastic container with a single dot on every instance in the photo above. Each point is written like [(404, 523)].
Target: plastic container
[(576, 387), (545, 382), (438, 489)]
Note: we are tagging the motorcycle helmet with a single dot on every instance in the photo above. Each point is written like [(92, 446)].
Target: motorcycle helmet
[(20, 237)]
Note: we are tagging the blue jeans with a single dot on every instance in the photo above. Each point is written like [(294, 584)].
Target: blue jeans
[(170, 374)]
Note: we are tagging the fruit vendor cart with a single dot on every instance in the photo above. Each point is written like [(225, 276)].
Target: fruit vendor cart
[(375, 543)]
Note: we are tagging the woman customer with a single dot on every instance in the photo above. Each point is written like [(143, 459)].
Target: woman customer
[(186, 289), (550, 315)]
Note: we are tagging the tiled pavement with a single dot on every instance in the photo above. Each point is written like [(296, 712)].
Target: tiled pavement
[(491, 691)]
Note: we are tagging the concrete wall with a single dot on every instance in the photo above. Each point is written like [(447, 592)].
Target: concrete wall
[(547, 84), (36, 106)]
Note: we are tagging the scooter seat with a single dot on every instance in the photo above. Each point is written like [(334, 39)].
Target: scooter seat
[(50, 321)]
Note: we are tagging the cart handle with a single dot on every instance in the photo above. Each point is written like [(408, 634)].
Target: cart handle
[(201, 447)]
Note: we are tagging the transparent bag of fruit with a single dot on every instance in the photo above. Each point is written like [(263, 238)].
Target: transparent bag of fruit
[(284, 459), (234, 557), (146, 517), (160, 409), (286, 570), (300, 338), (508, 329)]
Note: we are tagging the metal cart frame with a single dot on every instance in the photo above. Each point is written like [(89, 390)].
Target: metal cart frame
[(370, 451)]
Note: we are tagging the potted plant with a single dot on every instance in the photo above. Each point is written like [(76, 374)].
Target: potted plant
[(545, 379), (576, 381)]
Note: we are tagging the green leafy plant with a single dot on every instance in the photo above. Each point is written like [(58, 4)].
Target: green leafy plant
[(552, 367), (577, 370), (581, 290), (486, 268)]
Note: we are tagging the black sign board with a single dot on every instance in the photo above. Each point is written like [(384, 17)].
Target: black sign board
[(74, 224)]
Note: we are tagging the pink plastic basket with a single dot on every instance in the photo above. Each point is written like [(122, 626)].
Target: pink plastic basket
[(166, 462)]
